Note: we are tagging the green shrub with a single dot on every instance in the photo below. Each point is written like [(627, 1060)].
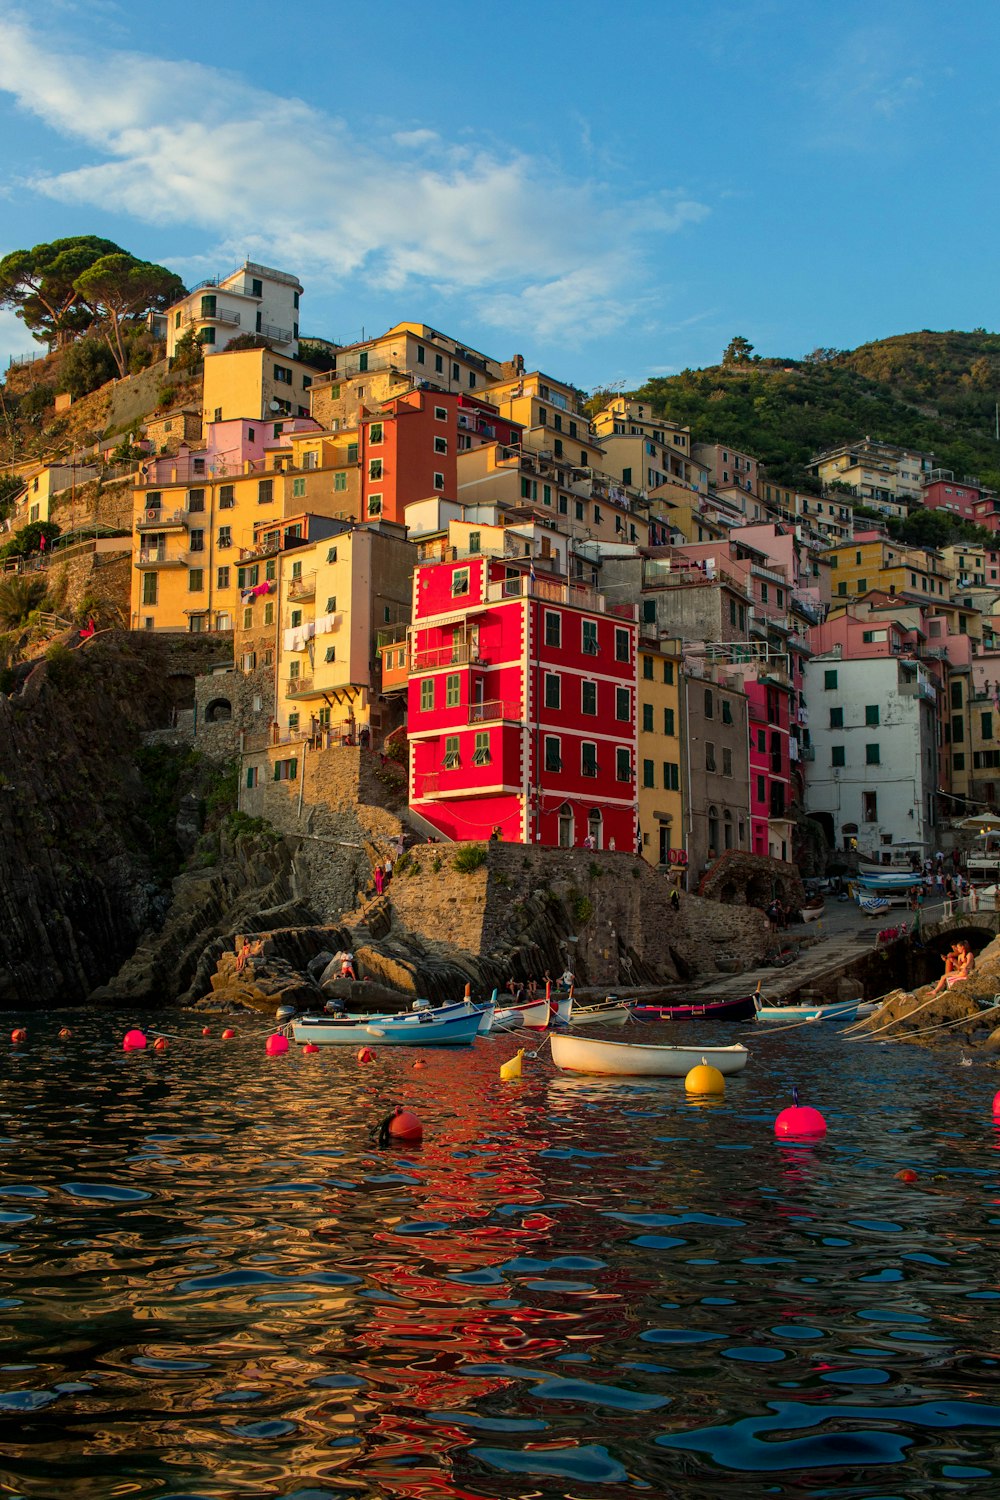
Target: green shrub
[(594, 870), (437, 864), (582, 909), (471, 857)]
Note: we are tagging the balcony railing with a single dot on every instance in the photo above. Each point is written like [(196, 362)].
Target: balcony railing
[(156, 520), (302, 588), (159, 557), (447, 656), (493, 709), (297, 687), (222, 315)]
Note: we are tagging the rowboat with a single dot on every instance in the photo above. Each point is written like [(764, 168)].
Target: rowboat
[(586, 1054), (846, 1011), (811, 911), (741, 1009), (536, 1014), (606, 1013), (466, 1007), (417, 1029)]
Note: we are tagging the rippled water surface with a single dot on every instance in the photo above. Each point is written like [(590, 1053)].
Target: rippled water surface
[(211, 1284)]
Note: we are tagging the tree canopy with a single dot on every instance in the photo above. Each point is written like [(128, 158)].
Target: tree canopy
[(40, 284), (118, 288)]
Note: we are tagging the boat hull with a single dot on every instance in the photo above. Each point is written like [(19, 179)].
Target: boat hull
[(580, 1054), (600, 1015), (812, 913), (419, 1030), (846, 1012), (741, 1009), (538, 1015)]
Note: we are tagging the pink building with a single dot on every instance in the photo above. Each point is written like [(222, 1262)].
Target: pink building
[(236, 446), (521, 706), (942, 493)]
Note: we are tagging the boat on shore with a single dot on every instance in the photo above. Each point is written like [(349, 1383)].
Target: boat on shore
[(585, 1054), (414, 1029), (834, 1011), (813, 909), (740, 1009)]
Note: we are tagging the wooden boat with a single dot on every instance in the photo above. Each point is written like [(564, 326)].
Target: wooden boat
[(740, 1009), (835, 1011), (610, 1012), (416, 1029), (538, 1015), (812, 910), (466, 1007), (587, 1054)]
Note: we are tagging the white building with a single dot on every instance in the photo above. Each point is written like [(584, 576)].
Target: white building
[(254, 299), (872, 729)]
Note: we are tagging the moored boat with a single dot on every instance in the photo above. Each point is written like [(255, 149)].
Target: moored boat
[(610, 1012), (586, 1054), (740, 1009), (536, 1014), (416, 1029), (834, 1011)]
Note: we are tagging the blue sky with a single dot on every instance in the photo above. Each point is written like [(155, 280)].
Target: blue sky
[(611, 190)]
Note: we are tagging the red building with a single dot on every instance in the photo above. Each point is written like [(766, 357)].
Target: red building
[(769, 707), (521, 706), (406, 451), (940, 492)]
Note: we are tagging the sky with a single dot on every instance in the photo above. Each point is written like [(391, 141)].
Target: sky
[(612, 190)]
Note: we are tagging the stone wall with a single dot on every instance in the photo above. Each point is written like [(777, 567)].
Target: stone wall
[(87, 573), (739, 878), (98, 502)]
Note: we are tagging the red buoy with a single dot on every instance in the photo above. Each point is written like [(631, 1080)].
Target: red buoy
[(404, 1126), (160, 1045), (906, 1175), (134, 1041), (800, 1120), (276, 1045), (64, 1033), (228, 1034), (420, 1063), (310, 1047), (365, 1055), (206, 1031), (996, 1105), (18, 1035)]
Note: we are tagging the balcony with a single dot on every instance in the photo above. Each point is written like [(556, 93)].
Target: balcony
[(303, 588), (157, 520), (159, 557), (807, 752), (447, 656), (221, 315), (493, 710), (298, 687)]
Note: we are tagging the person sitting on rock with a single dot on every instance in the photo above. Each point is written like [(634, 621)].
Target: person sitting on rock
[(242, 956), (964, 967), (347, 967), (951, 963)]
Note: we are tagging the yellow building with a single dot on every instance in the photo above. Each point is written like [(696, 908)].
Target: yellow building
[(555, 425), (334, 597), (874, 562), (646, 450), (659, 760), (258, 384), (587, 509), (879, 474)]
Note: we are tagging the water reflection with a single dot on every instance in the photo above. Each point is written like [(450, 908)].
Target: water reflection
[(211, 1284)]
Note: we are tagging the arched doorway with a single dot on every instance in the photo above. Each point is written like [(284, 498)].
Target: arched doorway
[(713, 831), (727, 829), (219, 711), (565, 826), (595, 827)]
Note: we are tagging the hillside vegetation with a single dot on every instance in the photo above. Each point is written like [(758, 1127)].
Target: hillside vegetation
[(933, 391)]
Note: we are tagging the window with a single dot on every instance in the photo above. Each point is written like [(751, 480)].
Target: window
[(438, 481), (225, 536), (481, 754), (956, 695), (375, 505), (475, 541), (588, 697), (441, 412), (668, 721), (709, 756), (553, 628), (647, 668), (427, 695), (761, 788), (553, 753), (248, 622), (957, 729), (958, 761), (578, 510), (647, 718), (287, 770), (282, 375), (709, 704), (590, 637), (196, 500), (869, 807), (553, 686), (421, 354), (588, 758), (222, 578), (836, 718), (265, 491), (871, 715), (626, 476), (837, 755), (269, 614), (295, 620), (459, 582), (452, 690), (298, 488), (252, 776), (340, 481), (622, 645), (227, 496), (872, 757), (986, 722), (668, 671), (727, 761), (331, 605), (727, 711), (671, 776), (149, 587), (197, 541), (375, 431), (440, 445), (451, 755), (648, 773), (829, 680), (439, 366), (374, 469)]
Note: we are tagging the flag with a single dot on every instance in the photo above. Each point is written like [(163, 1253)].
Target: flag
[(531, 571)]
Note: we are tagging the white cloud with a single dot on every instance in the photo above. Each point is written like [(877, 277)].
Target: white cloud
[(182, 143)]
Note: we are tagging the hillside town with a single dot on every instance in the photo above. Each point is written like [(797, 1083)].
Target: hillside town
[(565, 622)]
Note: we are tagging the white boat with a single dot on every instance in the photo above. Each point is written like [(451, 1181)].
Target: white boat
[(586, 1054), (536, 1014), (614, 1014), (466, 1007), (811, 911), (415, 1029), (835, 1011)]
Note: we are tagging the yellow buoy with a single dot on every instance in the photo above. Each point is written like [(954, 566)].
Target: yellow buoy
[(704, 1079), (512, 1069)]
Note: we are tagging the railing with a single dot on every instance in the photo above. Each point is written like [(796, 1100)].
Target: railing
[(807, 752), (149, 557), (154, 520), (296, 686), (279, 335), (496, 708), (446, 656), (302, 588)]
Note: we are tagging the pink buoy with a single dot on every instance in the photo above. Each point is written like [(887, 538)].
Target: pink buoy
[(134, 1041), (404, 1126), (310, 1047), (365, 1055), (160, 1045), (996, 1105), (228, 1034), (276, 1045), (799, 1120)]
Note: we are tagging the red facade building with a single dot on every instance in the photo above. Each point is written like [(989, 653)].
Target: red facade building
[(521, 706), (406, 451)]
